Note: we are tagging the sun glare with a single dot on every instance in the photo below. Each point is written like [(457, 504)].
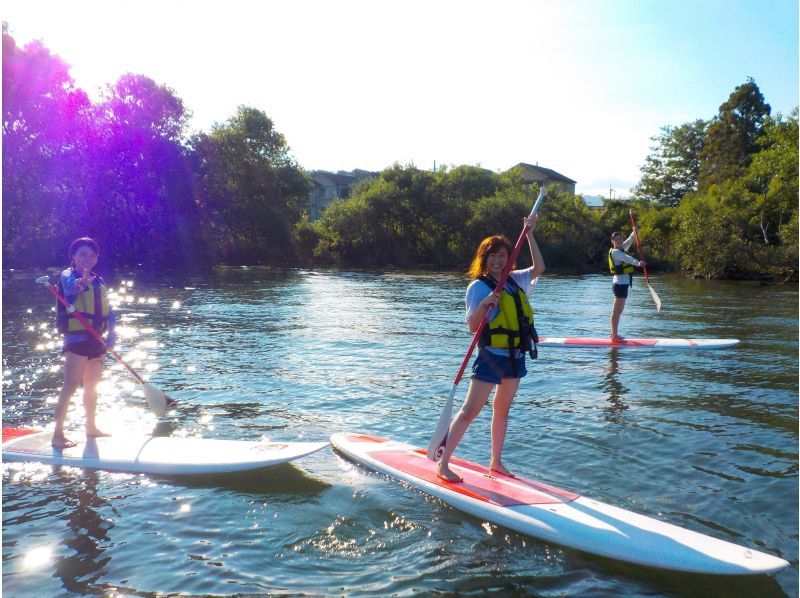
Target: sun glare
[(37, 558)]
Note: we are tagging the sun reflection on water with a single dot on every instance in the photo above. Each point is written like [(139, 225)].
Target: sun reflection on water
[(37, 558)]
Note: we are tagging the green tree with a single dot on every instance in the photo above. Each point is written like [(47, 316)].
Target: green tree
[(466, 183), (251, 192), (732, 136), (499, 214), (711, 239), (569, 234), (673, 169), (137, 195), (45, 123), (398, 218), (772, 176)]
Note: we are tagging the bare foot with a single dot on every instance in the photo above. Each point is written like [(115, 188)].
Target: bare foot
[(60, 442), (96, 433), (501, 469), (445, 474), (617, 339)]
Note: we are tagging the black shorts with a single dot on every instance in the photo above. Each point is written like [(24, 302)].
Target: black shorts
[(620, 290), (91, 348)]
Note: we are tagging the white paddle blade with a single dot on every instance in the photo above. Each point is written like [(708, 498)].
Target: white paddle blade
[(156, 399), (656, 300), (436, 445)]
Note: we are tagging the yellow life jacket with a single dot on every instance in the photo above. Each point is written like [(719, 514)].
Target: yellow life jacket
[(513, 327), (623, 268), (92, 305)]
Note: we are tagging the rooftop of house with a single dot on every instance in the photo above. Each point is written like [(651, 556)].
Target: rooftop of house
[(547, 172)]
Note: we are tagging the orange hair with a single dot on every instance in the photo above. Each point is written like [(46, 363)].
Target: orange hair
[(477, 267)]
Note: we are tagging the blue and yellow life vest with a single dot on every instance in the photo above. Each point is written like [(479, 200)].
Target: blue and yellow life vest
[(623, 268), (513, 327), (92, 305)]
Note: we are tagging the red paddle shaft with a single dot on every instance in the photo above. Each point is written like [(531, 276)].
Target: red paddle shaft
[(638, 246)]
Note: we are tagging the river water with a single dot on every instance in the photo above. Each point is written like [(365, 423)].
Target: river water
[(704, 439)]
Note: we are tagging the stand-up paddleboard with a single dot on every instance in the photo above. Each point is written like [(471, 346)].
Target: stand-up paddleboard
[(558, 516), (638, 343), (154, 455)]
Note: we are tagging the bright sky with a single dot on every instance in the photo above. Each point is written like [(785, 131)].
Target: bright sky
[(579, 86)]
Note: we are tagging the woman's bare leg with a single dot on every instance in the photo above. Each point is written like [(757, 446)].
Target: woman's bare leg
[(503, 396), (73, 374), (616, 314), (477, 395), (91, 378)]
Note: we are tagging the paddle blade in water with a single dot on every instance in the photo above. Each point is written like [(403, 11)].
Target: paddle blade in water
[(439, 438), (158, 402), (656, 299)]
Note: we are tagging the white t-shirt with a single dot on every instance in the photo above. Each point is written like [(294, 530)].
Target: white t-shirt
[(478, 290)]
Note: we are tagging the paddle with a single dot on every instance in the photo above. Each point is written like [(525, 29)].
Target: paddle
[(646, 278), (436, 445), (157, 400)]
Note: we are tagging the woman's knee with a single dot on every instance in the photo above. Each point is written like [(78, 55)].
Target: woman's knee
[(469, 413), (501, 410)]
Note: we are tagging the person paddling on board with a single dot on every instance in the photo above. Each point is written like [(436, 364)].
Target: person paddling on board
[(509, 333), (621, 265), (83, 354)]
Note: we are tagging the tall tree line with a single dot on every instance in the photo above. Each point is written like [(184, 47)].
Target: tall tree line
[(125, 171), (717, 198), (724, 193)]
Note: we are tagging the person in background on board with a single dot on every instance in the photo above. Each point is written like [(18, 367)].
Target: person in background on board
[(83, 354), (621, 265), (508, 334)]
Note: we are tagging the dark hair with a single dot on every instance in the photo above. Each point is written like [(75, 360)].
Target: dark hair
[(78, 243), (616, 233), (489, 245)]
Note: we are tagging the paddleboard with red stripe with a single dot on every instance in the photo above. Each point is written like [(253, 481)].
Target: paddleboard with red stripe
[(638, 343), (559, 516), (155, 455)]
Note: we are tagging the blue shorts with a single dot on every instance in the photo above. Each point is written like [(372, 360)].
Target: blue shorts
[(620, 290), (492, 368)]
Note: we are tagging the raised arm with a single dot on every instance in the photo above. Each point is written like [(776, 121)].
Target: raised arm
[(536, 255)]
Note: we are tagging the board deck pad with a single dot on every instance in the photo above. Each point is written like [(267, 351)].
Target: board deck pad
[(554, 515), (155, 455), (641, 343), (478, 482)]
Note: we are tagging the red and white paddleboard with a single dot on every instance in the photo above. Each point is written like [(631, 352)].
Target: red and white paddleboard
[(638, 343), (155, 455), (558, 516)]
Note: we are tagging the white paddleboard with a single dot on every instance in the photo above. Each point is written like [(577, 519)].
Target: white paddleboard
[(154, 455), (638, 343), (558, 516)]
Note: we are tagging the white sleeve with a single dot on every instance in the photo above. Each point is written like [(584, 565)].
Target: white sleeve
[(626, 244), (524, 280), (476, 292), (620, 256)]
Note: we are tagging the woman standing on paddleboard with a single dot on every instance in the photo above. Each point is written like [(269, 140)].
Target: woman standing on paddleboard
[(83, 354), (621, 265), (500, 363)]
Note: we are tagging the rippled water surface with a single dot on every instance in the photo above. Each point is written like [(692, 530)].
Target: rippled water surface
[(703, 439)]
